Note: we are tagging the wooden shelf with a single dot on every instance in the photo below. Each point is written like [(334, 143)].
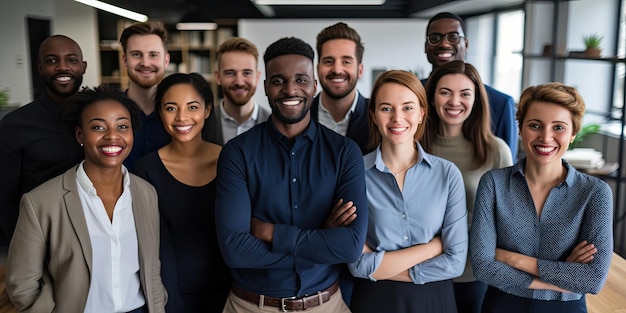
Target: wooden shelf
[(575, 57)]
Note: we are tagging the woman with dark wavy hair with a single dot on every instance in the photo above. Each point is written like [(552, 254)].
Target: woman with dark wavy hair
[(459, 130)]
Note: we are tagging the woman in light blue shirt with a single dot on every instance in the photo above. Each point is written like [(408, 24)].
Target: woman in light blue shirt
[(417, 234), (541, 232)]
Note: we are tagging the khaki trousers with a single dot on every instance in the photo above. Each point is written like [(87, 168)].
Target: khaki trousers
[(235, 304)]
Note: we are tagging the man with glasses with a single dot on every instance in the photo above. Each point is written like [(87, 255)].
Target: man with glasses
[(445, 42)]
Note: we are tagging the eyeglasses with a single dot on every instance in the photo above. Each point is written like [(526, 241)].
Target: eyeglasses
[(451, 38)]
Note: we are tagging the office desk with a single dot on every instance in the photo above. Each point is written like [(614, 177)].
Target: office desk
[(612, 298)]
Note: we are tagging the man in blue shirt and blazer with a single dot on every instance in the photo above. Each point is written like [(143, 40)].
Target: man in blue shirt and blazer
[(340, 106), (291, 204), (445, 27)]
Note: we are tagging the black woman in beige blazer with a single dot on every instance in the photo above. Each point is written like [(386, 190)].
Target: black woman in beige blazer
[(49, 266)]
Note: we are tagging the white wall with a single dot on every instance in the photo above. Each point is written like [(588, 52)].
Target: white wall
[(389, 44), (67, 17)]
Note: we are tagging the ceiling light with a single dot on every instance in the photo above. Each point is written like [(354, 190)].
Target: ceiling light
[(115, 10), (196, 26), (319, 2)]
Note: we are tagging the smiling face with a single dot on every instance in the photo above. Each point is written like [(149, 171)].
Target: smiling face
[(61, 66), (444, 52), (338, 69), (397, 114), (106, 133), (183, 112), (290, 87), (145, 59), (454, 101), (546, 132), (238, 76)]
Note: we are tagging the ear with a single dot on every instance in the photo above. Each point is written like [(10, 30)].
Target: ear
[(167, 59), (207, 110), (124, 59), (360, 71), (84, 67), (217, 77), (78, 132)]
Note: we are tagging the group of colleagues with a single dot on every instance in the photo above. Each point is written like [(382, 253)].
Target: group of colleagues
[(408, 201)]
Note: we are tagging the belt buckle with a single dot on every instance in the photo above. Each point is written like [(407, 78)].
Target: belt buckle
[(283, 307)]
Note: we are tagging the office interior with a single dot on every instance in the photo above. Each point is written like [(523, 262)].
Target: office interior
[(514, 44)]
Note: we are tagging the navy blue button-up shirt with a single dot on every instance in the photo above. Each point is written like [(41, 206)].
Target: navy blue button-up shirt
[(293, 184)]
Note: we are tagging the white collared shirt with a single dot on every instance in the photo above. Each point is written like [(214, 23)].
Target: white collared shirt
[(114, 284), (230, 127), (341, 127)]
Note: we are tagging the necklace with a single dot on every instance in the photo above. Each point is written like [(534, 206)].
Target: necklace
[(402, 170)]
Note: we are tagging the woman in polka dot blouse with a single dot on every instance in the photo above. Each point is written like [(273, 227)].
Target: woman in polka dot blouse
[(541, 233)]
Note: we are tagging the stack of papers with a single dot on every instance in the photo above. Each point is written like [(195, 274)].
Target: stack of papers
[(584, 158)]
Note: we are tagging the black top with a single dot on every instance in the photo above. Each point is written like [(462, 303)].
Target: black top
[(192, 268), (35, 146)]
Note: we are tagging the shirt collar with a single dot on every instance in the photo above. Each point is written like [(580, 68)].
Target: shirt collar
[(310, 131), (377, 161), (226, 116), (518, 169), (352, 108), (84, 181)]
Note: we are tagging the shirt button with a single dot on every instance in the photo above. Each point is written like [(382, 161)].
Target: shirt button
[(293, 180), (406, 238), (293, 153), (295, 206), (403, 216)]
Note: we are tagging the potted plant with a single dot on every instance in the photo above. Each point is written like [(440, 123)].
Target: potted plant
[(592, 45), (4, 97)]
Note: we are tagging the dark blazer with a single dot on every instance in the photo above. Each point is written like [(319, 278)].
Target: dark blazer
[(358, 127), (212, 131), (50, 256)]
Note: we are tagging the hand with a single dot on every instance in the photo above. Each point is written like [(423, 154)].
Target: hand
[(262, 230), (367, 249), (582, 253), (341, 215)]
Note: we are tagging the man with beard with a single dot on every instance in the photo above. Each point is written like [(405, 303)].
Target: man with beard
[(445, 42), (290, 204), (145, 58), (340, 106), (35, 144), (237, 75)]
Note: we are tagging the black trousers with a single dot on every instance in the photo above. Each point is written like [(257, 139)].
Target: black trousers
[(497, 301), (401, 297)]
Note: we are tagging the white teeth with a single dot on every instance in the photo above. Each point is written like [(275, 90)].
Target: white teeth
[(545, 150), (453, 112), (111, 149), (445, 55), (63, 78), (397, 129), (338, 80), (291, 102), (183, 128)]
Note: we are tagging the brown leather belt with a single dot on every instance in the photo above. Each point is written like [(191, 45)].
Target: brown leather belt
[(288, 304)]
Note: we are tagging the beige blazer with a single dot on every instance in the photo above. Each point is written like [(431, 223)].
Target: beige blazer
[(50, 255)]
